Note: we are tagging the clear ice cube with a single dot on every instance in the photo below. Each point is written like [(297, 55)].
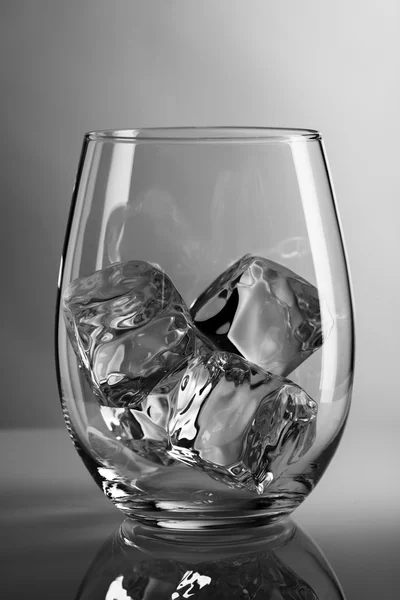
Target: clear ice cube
[(129, 327), (264, 312), (143, 429), (237, 423)]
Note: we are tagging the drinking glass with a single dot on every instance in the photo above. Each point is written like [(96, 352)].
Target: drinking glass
[(204, 322)]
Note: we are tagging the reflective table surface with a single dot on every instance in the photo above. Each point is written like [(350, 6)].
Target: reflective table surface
[(60, 538)]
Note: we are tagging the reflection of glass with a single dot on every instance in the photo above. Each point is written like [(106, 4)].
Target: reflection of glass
[(205, 325), (279, 563)]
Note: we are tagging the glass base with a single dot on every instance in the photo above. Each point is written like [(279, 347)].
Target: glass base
[(191, 501), (238, 516), (218, 539)]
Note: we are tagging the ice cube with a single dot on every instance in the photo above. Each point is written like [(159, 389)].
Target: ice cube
[(262, 311), (239, 424), (136, 431), (129, 327), (143, 429)]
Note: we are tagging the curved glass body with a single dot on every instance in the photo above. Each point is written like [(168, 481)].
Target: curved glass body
[(205, 332), (281, 563)]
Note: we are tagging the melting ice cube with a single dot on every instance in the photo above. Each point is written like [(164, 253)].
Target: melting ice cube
[(239, 424), (129, 327), (262, 311)]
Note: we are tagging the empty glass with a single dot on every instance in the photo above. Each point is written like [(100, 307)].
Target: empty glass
[(205, 332)]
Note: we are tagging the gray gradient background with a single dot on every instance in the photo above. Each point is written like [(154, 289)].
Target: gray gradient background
[(70, 67), (73, 66)]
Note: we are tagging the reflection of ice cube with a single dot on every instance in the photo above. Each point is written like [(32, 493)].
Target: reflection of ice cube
[(129, 327), (256, 575), (239, 424), (263, 311)]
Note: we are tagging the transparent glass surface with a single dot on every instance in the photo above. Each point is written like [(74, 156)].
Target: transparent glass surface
[(204, 328), (280, 563)]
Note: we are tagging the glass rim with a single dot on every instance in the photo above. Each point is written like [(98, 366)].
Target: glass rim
[(205, 134)]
